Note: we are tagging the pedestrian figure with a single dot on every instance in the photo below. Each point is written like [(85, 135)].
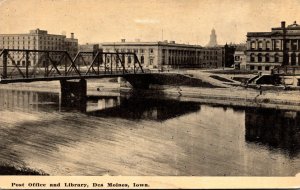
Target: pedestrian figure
[(260, 90), (179, 91)]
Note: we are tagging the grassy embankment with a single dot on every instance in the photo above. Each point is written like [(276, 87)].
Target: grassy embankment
[(12, 170)]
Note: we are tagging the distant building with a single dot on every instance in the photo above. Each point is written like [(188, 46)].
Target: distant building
[(94, 48), (213, 39), (89, 47), (71, 45), (240, 57), (37, 40), (280, 47), (166, 55), (229, 55)]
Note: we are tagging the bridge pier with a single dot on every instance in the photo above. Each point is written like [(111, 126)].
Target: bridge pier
[(139, 81), (122, 82), (74, 93)]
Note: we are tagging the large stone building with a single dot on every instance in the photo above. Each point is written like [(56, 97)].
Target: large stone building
[(280, 47), (37, 40), (167, 55)]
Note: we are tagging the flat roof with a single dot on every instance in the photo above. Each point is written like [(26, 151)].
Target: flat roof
[(159, 43)]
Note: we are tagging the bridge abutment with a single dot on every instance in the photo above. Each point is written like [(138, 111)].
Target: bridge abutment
[(139, 81), (73, 93), (122, 81)]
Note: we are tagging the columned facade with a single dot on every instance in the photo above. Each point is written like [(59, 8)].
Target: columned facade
[(168, 55)]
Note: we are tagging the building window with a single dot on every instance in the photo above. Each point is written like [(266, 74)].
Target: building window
[(123, 58), (277, 45), (252, 58), (253, 45), (259, 58), (259, 68), (293, 59), (267, 57), (142, 59), (276, 58), (287, 46), (142, 51), (268, 45), (129, 59), (151, 61), (294, 44), (260, 45), (151, 50), (267, 68)]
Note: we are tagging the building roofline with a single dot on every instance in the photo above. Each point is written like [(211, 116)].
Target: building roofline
[(28, 34), (159, 43), (287, 28)]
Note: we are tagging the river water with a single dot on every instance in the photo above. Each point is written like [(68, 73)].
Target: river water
[(139, 135)]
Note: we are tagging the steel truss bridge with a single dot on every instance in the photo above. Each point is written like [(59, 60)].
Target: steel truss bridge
[(20, 65)]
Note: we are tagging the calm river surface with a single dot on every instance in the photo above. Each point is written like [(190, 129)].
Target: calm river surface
[(130, 135)]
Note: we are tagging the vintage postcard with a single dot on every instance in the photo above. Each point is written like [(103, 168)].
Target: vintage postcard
[(147, 94)]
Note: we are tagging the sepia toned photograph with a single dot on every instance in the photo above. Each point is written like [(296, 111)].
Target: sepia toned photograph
[(207, 88)]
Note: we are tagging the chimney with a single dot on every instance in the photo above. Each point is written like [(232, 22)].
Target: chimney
[(283, 24), (123, 40), (72, 35), (284, 50)]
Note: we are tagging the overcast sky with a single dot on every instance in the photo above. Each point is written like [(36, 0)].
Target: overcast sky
[(185, 21)]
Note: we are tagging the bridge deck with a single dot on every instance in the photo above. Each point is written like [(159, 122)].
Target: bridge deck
[(52, 78)]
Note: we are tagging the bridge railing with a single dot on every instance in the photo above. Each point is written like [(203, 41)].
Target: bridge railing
[(16, 63)]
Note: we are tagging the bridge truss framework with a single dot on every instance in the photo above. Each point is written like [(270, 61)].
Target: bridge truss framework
[(33, 64)]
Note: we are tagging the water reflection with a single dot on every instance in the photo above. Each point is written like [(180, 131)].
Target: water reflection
[(274, 128), (131, 135), (103, 102), (28, 101), (136, 107), (130, 107)]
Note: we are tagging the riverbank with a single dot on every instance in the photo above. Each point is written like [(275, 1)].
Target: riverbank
[(238, 96), (103, 87), (12, 170), (224, 92)]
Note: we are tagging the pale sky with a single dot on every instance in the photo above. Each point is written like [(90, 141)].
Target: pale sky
[(185, 21)]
